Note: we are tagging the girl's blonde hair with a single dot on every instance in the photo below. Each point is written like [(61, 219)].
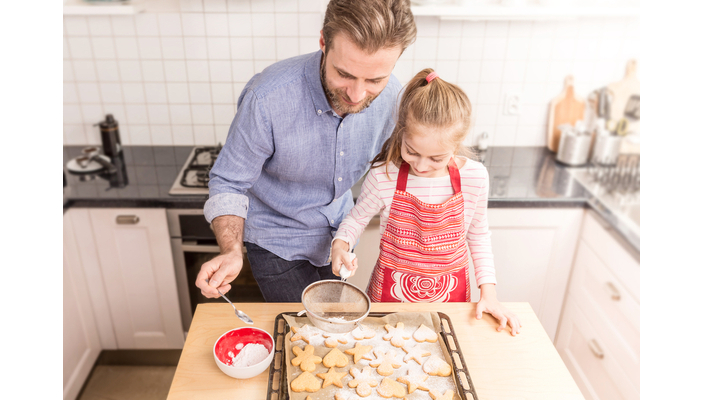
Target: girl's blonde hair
[(436, 104)]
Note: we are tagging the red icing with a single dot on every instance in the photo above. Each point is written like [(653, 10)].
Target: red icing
[(245, 335)]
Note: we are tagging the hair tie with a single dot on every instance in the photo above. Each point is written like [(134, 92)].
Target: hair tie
[(431, 76)]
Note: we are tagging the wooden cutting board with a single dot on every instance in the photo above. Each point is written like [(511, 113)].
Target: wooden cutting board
[(566, 108), (623, 90)]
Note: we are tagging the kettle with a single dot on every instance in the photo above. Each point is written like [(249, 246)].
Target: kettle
[(111, 142)]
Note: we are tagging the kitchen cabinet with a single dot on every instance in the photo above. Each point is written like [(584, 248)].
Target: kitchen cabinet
[(533, 251), (599, 331), (80, 340), (126, 254)]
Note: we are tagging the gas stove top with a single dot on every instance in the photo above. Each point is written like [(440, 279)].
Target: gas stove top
[(193, 179)]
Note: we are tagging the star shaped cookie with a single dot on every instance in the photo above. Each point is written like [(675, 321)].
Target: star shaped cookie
[(332, 377), (358, 352)]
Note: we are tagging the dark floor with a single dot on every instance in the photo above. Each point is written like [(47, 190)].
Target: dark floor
[(131, 374)]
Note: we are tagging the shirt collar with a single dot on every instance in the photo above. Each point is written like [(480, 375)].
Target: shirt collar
[(312, 76)]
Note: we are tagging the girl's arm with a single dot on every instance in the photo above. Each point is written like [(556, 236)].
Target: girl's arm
[(480, 247), (367, 206)]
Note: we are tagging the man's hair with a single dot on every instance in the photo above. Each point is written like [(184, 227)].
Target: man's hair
[(370, 24)]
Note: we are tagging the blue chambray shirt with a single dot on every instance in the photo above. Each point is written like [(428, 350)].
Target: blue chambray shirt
[(289, 162)]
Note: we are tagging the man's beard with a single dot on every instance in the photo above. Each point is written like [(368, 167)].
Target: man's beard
[(336, 95)]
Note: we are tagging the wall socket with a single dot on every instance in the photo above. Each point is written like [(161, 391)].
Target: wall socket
[(512, 104)]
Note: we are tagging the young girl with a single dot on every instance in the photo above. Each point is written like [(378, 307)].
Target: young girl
[(432, 205)]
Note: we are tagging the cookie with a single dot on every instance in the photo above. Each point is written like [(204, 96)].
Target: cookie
[(358, 352), (414, 380), (437, 366), (389, 389), (303, 333), (362, 382), (448, 395), (305, 382), (305, 358), (415, 352), (333, 340), (332, 377), (385, 363), (363, 333), (335, 358), (396, 334), (423, 333), (345, 395)]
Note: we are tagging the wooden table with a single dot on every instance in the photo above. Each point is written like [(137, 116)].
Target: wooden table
[(501, 366)]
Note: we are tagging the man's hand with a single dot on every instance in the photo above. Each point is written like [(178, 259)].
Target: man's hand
[(224, 268), (220, 272), (341, 256), (488, 303)]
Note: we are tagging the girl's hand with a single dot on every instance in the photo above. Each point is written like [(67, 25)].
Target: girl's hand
[(340, 256), (488, 303)]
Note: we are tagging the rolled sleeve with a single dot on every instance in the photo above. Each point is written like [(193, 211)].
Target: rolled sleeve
[(239, 164), (226, 204)]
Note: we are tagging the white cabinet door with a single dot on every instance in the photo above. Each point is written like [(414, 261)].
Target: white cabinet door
[(80, 340), (138, 270), (533, 250)]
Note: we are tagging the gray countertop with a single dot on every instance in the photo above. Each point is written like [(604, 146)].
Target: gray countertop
[(527, 177)]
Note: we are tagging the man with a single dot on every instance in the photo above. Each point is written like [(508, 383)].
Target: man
[(305, 131)]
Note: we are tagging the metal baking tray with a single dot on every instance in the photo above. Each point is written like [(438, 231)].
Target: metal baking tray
[(278, 382)]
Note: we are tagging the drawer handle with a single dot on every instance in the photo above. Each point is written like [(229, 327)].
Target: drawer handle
[(615, 294), (127, 219), (595, 348)]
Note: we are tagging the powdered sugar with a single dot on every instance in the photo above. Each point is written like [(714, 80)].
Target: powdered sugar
[(251, 354)]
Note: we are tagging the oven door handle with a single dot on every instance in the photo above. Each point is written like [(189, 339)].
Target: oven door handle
[(190, 246)]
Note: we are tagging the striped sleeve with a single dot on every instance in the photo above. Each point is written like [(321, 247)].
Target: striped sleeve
[(479, 237), (367, 206)]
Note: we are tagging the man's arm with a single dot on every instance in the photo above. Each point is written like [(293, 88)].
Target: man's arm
[(224, 268)]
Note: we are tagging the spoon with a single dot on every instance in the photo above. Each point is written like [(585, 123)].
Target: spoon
[(240, 314)]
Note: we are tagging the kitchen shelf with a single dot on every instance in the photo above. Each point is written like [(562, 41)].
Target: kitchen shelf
[(80, 7), (521, 13)]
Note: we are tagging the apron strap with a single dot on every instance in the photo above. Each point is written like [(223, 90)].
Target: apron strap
[(454, 176)]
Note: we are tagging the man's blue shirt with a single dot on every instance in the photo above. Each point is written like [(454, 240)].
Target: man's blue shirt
[(289, 161)]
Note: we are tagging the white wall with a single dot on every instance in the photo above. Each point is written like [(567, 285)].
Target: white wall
[(171, 75)]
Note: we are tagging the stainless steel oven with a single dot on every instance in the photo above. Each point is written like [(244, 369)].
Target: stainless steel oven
[(192, 244)]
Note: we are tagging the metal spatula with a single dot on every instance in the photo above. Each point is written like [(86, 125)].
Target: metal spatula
[(240, 314)]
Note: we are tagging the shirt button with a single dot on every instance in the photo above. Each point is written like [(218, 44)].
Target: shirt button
[(341, 124), (332, 221), (340, 179), (320, 112), (342, 153)]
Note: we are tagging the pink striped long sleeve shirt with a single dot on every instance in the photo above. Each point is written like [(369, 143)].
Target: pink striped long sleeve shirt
[(376, 197)]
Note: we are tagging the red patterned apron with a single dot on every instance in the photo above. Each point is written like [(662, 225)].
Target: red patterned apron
[(423, 251)]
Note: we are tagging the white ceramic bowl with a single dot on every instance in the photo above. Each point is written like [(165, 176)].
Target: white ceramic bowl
[(228, 341)]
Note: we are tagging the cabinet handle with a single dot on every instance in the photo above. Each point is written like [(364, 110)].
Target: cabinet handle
[(595, 348), (615, 294), (127, 219)]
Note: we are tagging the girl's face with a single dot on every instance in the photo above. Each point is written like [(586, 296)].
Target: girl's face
[(424, 151)]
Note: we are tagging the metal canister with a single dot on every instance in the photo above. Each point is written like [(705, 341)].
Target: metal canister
[(606, 149), (574, 147)]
